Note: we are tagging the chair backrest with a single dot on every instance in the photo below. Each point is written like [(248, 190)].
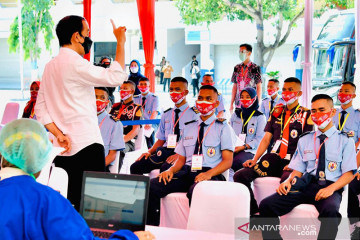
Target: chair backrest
[(216, 204), (115, 167), (59, 180), (140, 142), (11, 112)]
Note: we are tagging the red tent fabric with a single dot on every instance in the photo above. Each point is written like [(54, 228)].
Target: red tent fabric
[(87, 16), (146, 12)]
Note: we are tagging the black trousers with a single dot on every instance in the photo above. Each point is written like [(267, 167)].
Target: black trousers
[(353, 205), (90, 158), (155, 161), (247, 175), (278, 205), (240, 158), (183, 181)]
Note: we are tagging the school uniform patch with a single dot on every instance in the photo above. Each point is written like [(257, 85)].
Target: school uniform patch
[(265, 164), (149, 111), (293, 181), (332, 166), (211, 151), (351, 133), (322, 174), (251, 130), (294, 133), (159, 153)]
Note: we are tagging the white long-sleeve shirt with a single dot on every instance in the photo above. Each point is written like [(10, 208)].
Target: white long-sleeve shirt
[(67, 96)]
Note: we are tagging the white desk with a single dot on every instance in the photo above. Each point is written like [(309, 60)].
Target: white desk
[(163, 233)]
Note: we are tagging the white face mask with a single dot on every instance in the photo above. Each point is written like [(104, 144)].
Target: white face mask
[(242, 56), (134, 69)]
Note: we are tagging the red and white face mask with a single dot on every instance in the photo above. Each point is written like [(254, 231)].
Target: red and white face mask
[(125, 94), (143, 89), (321, 119), (289, 97), (101, 105), (177, 97), (205, 83), (33, 95), (345, 98), (272, 92), (205, 108), (246, 103)]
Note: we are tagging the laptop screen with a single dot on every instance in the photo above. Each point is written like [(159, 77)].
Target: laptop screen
[(114, 201)]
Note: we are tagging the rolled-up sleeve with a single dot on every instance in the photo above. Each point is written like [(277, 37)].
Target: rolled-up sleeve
[(228, 138), (349, 157), (161, 131), (297, 162), (180, 149), (41, 110), (261, 122)]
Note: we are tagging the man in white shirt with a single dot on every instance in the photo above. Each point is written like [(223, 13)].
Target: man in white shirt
[(66, 104)]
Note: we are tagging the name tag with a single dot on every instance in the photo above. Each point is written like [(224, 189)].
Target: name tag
[(308, 151), (171, 141), (276, 146), (287, 157), (196, 162), (242, 137)]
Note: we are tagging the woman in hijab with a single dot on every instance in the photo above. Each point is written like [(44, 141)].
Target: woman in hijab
[(135, 74), (29, 108), (248, 124)]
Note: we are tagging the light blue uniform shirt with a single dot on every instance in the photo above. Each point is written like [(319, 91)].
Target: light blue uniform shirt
[(340, 156), (166, 126), (221, 106), (352, 124), (220, 137), (151, 104), (265, 105), (111, 132), (255, 130)]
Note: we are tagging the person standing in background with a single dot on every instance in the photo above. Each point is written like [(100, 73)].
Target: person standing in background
[(162, 64), (195, 76), (135, 74), (167, 70)]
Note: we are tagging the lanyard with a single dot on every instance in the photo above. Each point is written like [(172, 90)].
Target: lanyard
[(243, 74), (287, 122), (246, 121), (207, 131), (102, 122), (173, 117), (318, 152), (341, 127)]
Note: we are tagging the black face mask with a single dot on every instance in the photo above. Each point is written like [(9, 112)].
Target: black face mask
[(86, 44)]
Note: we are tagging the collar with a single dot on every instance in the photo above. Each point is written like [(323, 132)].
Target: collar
[(145, 96), (102, 116), (247, 65), (183, 107), (348, 110), (276, 99), (328, 133), (208, 121), (68, 51), (9, 172), (293, 109), (127, 104)]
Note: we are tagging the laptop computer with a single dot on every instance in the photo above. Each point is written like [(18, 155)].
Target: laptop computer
[(110, 202)]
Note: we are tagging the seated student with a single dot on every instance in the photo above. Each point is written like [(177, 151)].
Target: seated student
[(127, 110), (105, 62), (149, 103), (29, 108), (285, 125), (324, 162), (248, 124), (220, 110), (110, 128), (205, 151), (171, 125), (31, 210)]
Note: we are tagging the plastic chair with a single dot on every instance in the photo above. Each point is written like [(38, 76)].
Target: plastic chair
[(115, 167), (154, 173), (215, 206), (11, 113), (129, 159), (59, 180), (264, 187), (140, 142), (308, 216)]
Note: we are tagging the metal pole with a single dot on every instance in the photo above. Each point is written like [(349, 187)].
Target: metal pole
[(21, 64), (357, 49)]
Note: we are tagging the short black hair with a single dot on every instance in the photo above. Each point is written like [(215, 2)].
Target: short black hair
[(209, 87), (130, 82), (179, 79), (194, 56), (292, 79), (105, 57), (144, 79), (349, 83), (322, 96), (274, 80), (67, 27), (207, 75), (104, 89), (247, 46)]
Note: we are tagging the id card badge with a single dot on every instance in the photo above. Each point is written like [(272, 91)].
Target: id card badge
[(276, 146), (242, 137), (171, 141), (196, 162)]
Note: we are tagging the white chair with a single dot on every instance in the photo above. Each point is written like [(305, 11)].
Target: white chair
[(115, 167), (215, 206), (154, 173), (308, 216), (11, 113), (140, 141), (264, 187), (130, 158), (59, 181), (174, 211), (43, 178)]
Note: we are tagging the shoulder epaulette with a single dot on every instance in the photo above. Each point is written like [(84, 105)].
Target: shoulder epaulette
[(357, 109), (135, 96), (192, 121), (114, 118), (195, 110), (265, 98), (220, 120), (167, 110), (219, 93), (305, 133), (348, 134), (258, 113)]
